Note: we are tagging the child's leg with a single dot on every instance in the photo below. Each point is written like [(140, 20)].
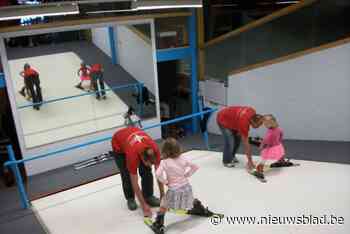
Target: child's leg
[(158, 225)]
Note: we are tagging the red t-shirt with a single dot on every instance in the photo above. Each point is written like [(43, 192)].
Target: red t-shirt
[(236, 118), (132, 141), (96, 67), (30, 72)]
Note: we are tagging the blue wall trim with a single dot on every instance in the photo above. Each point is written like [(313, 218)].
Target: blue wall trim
[(2, 81), (173, 54), (112, 41)]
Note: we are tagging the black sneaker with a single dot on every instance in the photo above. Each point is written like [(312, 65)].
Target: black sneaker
[(132, 204), (153, 201)]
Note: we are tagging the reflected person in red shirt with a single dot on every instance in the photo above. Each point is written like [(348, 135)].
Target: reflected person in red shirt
[(32, 83)]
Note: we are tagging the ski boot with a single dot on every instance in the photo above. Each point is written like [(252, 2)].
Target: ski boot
[(282, 163), (199, 209), (158, 225)]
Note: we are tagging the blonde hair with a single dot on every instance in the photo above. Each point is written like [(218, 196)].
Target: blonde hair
[(270, 121), (171, 148)]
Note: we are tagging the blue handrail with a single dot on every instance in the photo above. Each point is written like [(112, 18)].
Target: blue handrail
[(80, 95)]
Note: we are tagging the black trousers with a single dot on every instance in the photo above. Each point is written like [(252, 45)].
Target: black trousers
[(97, 80), (32, 83), (145, 173)]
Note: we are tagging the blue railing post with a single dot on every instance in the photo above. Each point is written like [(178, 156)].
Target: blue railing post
[(192, 25), (2, 80), (140, 87), (112, 43), (205, 133), (18, 176)]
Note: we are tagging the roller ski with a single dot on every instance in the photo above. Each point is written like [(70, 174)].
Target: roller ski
[(93, 161), (260, 176), (284, 163), (157, 226)]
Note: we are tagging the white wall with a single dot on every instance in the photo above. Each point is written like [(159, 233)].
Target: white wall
[(214, 93), (100, 37), (309, 95), (136, 57)]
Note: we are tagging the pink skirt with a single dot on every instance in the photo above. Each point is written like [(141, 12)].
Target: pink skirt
[(273, 153), (82, 78)]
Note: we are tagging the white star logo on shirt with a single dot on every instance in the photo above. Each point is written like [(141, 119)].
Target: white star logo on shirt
[(138, 138)]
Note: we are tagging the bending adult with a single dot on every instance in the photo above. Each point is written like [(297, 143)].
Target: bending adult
[(32, 83), (134, 149), (234, 123)]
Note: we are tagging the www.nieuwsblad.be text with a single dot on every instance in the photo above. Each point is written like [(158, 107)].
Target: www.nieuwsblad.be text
[(278, 220)]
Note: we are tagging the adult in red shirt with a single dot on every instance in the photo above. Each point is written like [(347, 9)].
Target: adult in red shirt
[(96, 73), (32, 83), (134, 149), (234, 123)]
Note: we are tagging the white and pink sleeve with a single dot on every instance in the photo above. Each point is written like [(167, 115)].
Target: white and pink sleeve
[(192, 168), (160, 173)]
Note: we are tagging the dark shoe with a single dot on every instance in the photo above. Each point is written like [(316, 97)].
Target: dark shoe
[(104, 97), (282, 163), (132, 204), (158, 225), (157, 229), (259, 175), (229, 165), (98, 97), (199, 209), (22, 93), (153, 201), (235, 160), (79, 86)]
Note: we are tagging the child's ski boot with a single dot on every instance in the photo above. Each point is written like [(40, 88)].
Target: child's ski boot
[(158, 225), (199, 209), (284, 163)]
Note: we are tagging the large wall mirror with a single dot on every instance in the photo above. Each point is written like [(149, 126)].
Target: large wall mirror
[(87, 80)]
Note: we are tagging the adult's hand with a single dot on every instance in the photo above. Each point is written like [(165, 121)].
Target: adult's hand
[(147, 212)]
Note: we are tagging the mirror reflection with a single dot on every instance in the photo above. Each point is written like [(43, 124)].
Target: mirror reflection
[(74, 83)]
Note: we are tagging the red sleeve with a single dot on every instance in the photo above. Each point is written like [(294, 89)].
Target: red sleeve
[(115, 143), (156, 150), (244, 128)]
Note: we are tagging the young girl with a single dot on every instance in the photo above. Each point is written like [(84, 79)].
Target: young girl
[(84, 74), (174, 171), (271, 146)]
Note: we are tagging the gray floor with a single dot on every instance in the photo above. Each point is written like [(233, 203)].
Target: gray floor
[(13, 219)]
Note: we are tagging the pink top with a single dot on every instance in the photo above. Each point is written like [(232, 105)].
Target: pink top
[(272, 137), (174, 172)]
